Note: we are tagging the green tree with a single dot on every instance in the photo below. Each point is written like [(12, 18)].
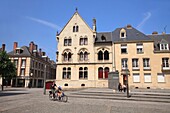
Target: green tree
[(7, 68)]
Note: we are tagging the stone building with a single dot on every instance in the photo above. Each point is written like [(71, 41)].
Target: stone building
[(33, 66), (85, 56)]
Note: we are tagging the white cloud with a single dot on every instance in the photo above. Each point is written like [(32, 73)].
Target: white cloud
[(146, 17), (44, 23)]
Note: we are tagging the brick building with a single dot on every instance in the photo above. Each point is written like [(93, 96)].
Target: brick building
[(33, 66)]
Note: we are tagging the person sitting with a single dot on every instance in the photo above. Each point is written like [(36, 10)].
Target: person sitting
[(53, 89), (59, 92)]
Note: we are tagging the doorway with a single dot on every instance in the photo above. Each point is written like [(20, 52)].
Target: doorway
[(124, 79)]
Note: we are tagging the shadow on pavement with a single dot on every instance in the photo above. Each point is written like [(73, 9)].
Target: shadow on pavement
[(10, 93), (10, 89)]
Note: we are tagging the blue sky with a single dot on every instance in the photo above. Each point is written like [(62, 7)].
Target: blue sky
[(24, 21)]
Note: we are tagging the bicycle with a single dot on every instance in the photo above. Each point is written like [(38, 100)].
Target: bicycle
[(62, 98)]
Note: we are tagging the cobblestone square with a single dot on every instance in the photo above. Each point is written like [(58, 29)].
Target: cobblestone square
[(20, 100)]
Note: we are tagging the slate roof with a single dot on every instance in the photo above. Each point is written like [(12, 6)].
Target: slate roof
[(103, 37), (160, 38), (25, 52), (132, 34)]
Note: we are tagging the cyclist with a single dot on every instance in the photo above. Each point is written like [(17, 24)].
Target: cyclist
[(53, 89)]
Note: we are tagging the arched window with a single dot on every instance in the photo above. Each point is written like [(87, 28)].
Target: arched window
[(106, 71), (69, 56), (65, 56), (77, 28), (122, 33), (74, 28), (81, 56), (103, 54), (66, 73), (100, 72), (85, 56), (80, 73), (106, 55), (100, 55), (83, 73)]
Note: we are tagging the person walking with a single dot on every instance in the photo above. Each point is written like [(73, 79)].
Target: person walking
[(124, 87), (120, 87)]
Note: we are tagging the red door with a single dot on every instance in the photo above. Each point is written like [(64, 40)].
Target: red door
[(48, 84)]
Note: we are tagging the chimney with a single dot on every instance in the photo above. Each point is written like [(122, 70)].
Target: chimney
[(57, 36), (3, 47), (31, 45), (154, 33), (43, 53), (15, 45), (129, 26), (163, 33), (35, 47), (94, 25), (40, 53)]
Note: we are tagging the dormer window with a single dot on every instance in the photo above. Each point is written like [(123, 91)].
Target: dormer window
[(18, 50), (164, 47), (103, 38), (122, 33)]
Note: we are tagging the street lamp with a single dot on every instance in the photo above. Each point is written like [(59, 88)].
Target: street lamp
[(30, 81), (45, 81)]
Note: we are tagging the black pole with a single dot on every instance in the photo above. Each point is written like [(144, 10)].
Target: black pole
[(127, 84), (45, 81)]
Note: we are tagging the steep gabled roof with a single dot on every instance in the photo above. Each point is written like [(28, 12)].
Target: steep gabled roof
[(25, 52), (132, 34), (103, 37), (70, 20)]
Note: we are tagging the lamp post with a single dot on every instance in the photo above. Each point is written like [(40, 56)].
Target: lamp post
[(127, 85), (45, 81), (30, 81)]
